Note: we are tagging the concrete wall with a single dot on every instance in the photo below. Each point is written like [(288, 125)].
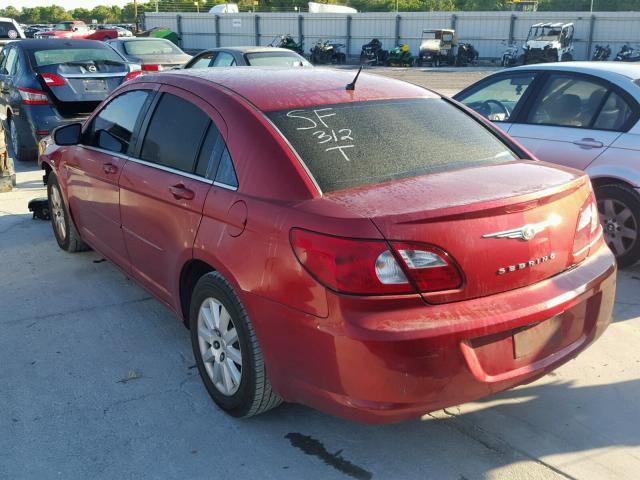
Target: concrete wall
[(487, 31)]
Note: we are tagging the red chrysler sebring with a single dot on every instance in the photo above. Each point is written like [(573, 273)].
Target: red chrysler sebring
[(372, 250)]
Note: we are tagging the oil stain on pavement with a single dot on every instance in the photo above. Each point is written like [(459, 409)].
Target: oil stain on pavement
[(311, 446)]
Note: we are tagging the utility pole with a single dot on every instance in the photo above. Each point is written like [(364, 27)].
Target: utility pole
[(397, 6), (591, 6), (135, 14)]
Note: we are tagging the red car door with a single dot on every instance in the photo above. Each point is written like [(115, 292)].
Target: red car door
[(93, 170), (162, 190)]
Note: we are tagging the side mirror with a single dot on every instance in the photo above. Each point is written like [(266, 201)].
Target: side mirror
[(67, 134)]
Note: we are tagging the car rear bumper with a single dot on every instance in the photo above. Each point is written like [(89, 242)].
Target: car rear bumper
[(38, 121), (373, 363)]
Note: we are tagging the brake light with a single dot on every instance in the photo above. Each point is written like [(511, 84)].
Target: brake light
[(132, 75), (431, 269), (52, 80), (588, 229), (31, 96), (373, 267), (151, 68)]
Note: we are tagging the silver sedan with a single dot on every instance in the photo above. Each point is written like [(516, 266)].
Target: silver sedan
[(583, 115)]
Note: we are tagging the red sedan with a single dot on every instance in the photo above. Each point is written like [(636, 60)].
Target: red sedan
[(375, 252)]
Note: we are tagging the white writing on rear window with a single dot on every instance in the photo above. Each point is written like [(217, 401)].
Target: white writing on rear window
[(331, 139)]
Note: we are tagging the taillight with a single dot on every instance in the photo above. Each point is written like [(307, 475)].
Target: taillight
[(52, 80), (132, 75), (430, 268), (151, 68), (31, 96), (374, 267), (587, 229)]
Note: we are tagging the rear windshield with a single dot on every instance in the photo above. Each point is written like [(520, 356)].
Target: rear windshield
[(353, 144), (70, 55), (8, 30), (150, 47), (275, 59)]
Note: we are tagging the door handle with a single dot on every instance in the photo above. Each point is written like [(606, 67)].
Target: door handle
[(179, 191), (109, 168), (588, 143)]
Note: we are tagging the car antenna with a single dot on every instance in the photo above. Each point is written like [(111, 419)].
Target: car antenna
[(352, 85)]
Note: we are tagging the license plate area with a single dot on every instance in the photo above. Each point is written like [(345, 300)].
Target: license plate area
[(535, 338), (94, 85)]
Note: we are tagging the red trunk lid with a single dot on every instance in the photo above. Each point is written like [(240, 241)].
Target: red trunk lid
[(473, 214)]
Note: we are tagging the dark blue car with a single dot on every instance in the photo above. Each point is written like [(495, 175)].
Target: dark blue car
[(46, 83)]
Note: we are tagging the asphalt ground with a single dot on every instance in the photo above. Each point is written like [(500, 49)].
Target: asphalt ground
[(97, 381)]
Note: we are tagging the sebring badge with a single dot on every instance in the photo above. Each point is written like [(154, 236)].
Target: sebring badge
[(528, 264), (526, 232)]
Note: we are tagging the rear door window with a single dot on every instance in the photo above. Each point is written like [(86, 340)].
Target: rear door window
[(224, 59), (11, 62), (174, 135), (8, 31), (361, 143), (112, 128), (568, 101), (203, 61)]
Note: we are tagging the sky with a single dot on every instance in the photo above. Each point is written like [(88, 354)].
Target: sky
[(67, 4)]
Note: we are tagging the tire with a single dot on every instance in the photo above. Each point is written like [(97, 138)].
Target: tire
[(252, 393), (18, 146), (567, 57), (63, 228), (619, 209)]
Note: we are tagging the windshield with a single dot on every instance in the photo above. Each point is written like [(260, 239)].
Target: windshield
[(428, 35), (546, 34), (42, 58), (151, 47), (65, 27), (353, 144), (275, 59)]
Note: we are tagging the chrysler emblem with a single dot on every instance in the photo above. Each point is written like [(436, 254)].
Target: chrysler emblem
[(526, 232)]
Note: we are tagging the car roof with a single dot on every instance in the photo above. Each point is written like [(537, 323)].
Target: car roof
[(272, 88), (607, 70), (137, 39), (7, 19), (249, 49), (47, 43)]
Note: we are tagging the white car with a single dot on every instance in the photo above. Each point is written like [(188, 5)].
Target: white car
[(583, 115)]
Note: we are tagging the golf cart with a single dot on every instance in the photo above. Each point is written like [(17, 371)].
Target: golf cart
[(437, 47), (549, 42)]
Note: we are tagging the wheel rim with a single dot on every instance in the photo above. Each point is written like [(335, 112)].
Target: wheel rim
[(219, 346), (57, 213), (620, 225), (13, 132)]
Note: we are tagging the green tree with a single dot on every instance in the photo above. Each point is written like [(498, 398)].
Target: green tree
[(102, 14), (81, 14)]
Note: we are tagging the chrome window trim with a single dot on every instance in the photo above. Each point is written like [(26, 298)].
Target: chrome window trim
[(162, 167)]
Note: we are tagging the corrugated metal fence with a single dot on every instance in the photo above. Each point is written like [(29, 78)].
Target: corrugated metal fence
[(487, 31)]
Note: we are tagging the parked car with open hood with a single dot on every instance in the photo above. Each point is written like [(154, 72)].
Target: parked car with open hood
[(45, 83), (583, 115), (365, 247), (76, 29), (154, 54), (248, 56)]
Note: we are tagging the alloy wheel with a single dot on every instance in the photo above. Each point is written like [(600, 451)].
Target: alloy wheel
[(57, 213), (219, 346), (620, 225)]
